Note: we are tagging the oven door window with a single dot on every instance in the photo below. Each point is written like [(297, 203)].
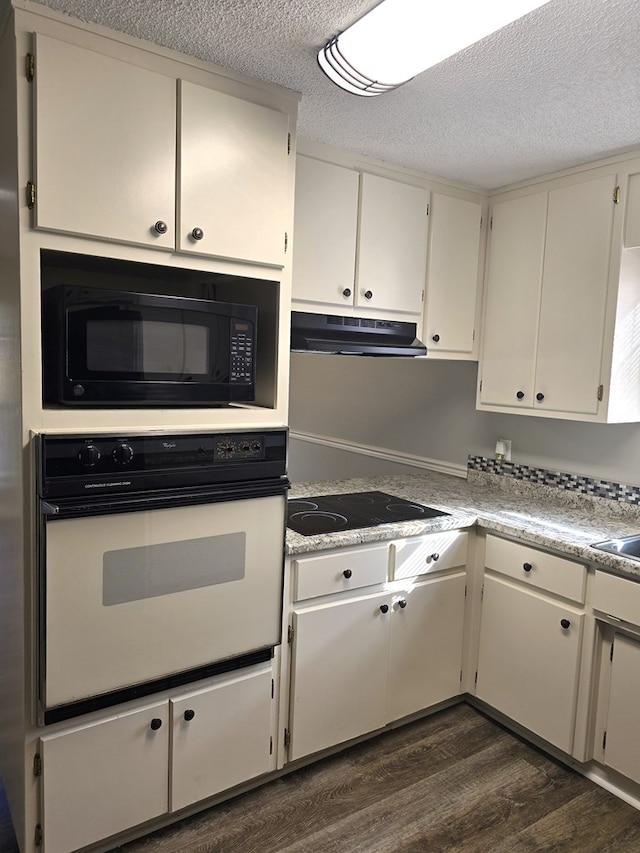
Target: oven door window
[(133, 597), (147, 344)]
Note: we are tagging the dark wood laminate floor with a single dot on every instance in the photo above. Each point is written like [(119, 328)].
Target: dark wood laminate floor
[(455, 781)]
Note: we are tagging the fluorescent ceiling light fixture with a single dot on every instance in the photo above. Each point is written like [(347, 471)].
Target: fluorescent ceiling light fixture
[(398, 39)]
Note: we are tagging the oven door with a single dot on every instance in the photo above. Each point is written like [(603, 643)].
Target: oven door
[(133, 597)]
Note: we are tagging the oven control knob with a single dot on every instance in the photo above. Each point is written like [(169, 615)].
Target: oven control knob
[(89, 455), (122, 454)]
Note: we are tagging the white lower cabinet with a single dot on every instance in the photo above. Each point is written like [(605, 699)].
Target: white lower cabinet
[(104, 777), (222, 736), (361, 661), (529, 659), (621, 744)]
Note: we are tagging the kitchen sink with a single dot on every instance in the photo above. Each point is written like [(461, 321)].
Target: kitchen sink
[(626, 546)]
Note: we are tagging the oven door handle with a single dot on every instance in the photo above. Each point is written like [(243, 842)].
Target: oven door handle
[(163, 499)]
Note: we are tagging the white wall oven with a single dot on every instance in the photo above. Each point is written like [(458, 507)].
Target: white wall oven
[(160, 562)]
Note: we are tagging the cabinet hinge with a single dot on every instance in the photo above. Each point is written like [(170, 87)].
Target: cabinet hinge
[(482, 593), (475, 680), (288, 143), (600, 392), (37, 764), (481, 384), (270, 746), (287, 737), (465, 590), (286, 241), (290, 634), (422, 296), (491, 224), (427, 209), (273, 688), (473, 335), (460, 676), (611, 653), (604, 740), (31, 195), (37, 836), (30, 67), (481, 223), (616, 195)]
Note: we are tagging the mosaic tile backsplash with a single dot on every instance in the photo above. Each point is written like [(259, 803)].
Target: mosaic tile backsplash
[(571, 482)]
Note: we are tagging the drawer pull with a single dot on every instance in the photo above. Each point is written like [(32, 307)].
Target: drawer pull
[(347, 573), (156, 724), (384, 608), (433, 558), (402, 603), (189, 714), (527, 567), (565, 623)]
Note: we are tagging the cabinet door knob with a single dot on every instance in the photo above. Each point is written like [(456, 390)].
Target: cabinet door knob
[(527, 567), (346, 292), (565, 623), (433, 558), (435, 338), (347, 573), (160, 227), (520, 395), (368, 294), (189, 714), (156, 724), (197, 233), (402, 603), (539, 397), (384, 608)]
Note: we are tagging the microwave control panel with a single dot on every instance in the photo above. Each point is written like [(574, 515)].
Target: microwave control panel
[(241, 361)]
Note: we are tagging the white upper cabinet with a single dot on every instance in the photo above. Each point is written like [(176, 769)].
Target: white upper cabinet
[(232, 177), (561, 290), (105, 146), (360, 242), (392, 247), (107, 164), (513, 301), (454, 277), (325, 230)]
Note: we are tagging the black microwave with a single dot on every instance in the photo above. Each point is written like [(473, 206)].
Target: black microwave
[(111, 348)]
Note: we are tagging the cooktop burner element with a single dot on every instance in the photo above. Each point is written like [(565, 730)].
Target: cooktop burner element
[(333, 513)]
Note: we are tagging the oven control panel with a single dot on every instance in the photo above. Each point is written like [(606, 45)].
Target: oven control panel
[(78, 465)]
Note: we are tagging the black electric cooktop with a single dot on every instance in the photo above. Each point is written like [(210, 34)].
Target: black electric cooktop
[(334, 513)]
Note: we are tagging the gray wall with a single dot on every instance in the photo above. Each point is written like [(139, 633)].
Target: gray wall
[(427, 408)]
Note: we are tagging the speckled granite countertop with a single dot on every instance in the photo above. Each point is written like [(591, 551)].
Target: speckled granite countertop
[(540, 515)]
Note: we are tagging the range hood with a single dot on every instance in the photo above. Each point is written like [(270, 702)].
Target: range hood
[(327, 333)]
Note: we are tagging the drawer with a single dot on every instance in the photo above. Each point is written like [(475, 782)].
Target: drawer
[(617, 597), (350, 568), (536, 568), (421, 555)]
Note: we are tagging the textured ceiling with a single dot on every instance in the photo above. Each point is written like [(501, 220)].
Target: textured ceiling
[(557, 88)]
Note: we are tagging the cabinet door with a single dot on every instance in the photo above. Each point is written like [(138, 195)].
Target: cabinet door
[(575, 278), (102, 778), (452, 276), (528, 662), (339, 672), (513, 301), (232, 177), (622, 749), (392, 247), (221, 737), (105, 146), (325, 225), (425, 657)]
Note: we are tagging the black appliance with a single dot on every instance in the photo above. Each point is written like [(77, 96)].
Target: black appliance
[(334, 513), (114, 348), (327, 333)]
